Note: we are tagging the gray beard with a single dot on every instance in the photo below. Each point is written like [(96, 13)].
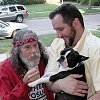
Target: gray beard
[(30, 64)]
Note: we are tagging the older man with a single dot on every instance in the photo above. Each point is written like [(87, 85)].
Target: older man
[(26, 64)]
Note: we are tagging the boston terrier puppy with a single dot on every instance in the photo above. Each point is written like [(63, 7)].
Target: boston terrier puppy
[(70, 62)]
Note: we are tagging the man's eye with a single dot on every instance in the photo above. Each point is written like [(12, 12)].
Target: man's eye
[(60, 29), (35, 45), (27, 47)]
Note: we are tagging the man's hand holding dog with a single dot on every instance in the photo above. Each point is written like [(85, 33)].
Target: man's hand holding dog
[(74, 86)]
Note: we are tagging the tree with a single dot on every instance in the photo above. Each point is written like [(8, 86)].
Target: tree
[(90, 4)]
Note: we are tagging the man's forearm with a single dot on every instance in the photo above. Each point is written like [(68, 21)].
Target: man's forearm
[(53, 87), (96, 96)]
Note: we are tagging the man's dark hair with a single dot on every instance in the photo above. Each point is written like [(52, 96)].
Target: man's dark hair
[(69, 12)]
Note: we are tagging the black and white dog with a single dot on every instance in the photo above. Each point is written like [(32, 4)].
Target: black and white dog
[(70, 62)]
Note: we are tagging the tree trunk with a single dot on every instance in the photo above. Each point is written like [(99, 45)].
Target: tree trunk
[(61, 1), (90, 4)]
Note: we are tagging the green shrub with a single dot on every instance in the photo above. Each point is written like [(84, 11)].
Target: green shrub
[(30, 2), (71, 0), (25, 2), (94, 2)]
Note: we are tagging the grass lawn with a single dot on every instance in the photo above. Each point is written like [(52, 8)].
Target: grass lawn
[(40, 10), (47, 39), (96, 32), (85, 11), (6, 45), (43, 10)]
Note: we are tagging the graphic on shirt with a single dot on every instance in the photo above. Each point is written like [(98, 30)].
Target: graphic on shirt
[(37, 93)]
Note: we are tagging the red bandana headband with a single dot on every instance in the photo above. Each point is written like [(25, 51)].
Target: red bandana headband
[(24, 41)]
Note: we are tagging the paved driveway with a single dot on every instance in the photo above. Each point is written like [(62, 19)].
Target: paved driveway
[(43, 26)]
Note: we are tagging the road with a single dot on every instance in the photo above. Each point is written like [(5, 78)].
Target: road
[(43, 25), (40, 26)]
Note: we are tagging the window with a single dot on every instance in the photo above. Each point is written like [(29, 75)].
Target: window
[(12, 9), (20, 8), (4, 9)]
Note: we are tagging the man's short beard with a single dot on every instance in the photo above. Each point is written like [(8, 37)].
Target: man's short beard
[(30, 64), (71, 40)]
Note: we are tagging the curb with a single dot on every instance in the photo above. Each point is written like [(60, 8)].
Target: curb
[(91, 13)]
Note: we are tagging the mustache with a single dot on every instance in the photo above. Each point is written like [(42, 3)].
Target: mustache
[(28, 61), (35, 54)]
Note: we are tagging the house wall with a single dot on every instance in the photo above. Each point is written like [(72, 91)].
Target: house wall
[(52, 1)]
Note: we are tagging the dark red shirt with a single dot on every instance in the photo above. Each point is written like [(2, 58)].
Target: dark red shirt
[(11, 86)]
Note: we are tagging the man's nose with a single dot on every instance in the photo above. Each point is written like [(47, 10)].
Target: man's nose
[(34, 50), (58, 34)]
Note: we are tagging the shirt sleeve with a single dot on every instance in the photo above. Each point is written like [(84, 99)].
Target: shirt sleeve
[(95, 68), (94, 61), (10, 92), (54, 52)]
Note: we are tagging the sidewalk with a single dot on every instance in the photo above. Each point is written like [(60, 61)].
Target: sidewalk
[(3, 56)]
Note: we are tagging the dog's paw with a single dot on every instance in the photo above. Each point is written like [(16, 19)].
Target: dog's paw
[(31, 84), (39, 81)]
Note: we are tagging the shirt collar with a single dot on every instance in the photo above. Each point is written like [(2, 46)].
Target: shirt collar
[(80, 43)]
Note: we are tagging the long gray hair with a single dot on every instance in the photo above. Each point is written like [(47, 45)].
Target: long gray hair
[(19, 66)]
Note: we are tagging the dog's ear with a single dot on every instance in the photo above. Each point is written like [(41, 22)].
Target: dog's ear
[(81, 58)]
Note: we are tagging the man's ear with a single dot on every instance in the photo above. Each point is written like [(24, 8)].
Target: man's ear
[(81, 58), (75, 22)]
